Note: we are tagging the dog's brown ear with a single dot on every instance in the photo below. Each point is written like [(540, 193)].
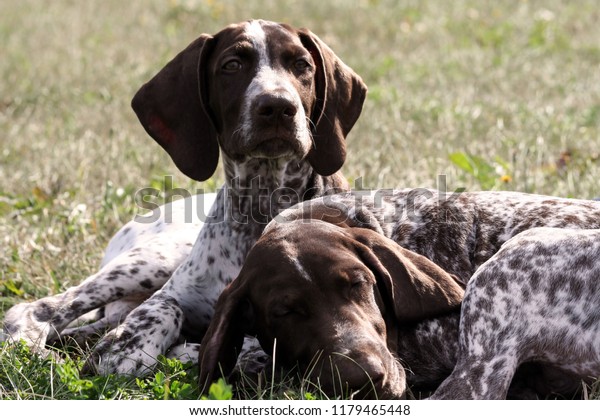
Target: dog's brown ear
[(340, 96), (171, 110), (223, 340), (415, 286)]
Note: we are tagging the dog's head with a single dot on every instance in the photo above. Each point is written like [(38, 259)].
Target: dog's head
[(330, 299), (257, 89)]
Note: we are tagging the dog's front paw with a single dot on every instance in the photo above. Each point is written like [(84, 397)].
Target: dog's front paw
[(132, 347), (30, 322), (185, 353), (123, 351)]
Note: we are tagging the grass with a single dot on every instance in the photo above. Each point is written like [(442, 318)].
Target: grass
[(502, 95)]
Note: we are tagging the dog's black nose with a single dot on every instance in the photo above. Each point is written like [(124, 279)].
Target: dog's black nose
[(273, 107)]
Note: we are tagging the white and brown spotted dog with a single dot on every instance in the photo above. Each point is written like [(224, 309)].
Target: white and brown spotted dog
[(339, 286), (277, 104), (537, 299)]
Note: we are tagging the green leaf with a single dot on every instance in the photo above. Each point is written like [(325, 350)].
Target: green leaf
[(462, 161), (13, 288), (219, 390)]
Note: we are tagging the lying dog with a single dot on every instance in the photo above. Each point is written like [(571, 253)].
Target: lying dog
[(329, 280), (537, 299)]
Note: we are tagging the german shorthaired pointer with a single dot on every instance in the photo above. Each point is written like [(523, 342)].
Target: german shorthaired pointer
[(278, 103), (537, 299), (339, 279)]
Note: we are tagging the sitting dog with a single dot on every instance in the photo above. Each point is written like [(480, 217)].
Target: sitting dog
[(342, 287), (277, 104)]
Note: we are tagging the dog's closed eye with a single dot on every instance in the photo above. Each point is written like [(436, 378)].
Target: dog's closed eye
[(288, 311)]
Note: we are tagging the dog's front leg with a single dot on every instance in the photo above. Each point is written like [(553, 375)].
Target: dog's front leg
[(186, 300)]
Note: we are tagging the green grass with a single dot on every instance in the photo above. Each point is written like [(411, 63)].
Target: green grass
[(502, 95)]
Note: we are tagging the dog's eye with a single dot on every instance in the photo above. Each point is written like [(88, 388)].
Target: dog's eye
[(357, 283), (232, 65), (301, 64), (282, 311)]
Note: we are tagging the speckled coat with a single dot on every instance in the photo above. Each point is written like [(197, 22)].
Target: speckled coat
[(277, 104), (460, 232)]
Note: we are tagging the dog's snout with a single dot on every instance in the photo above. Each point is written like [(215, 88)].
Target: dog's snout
[(275, 107)]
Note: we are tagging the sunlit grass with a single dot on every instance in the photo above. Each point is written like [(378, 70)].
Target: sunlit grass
[(502, 95)]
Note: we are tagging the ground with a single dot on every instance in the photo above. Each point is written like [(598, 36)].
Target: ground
[(468, 94)]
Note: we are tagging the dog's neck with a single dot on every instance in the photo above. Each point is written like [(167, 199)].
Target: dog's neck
[(256, 175), (257, 189), (428, 350)]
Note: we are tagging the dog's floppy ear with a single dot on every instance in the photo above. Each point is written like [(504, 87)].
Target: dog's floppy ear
[(340, 94), (171, 110), (223, 340), (415, 286)]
